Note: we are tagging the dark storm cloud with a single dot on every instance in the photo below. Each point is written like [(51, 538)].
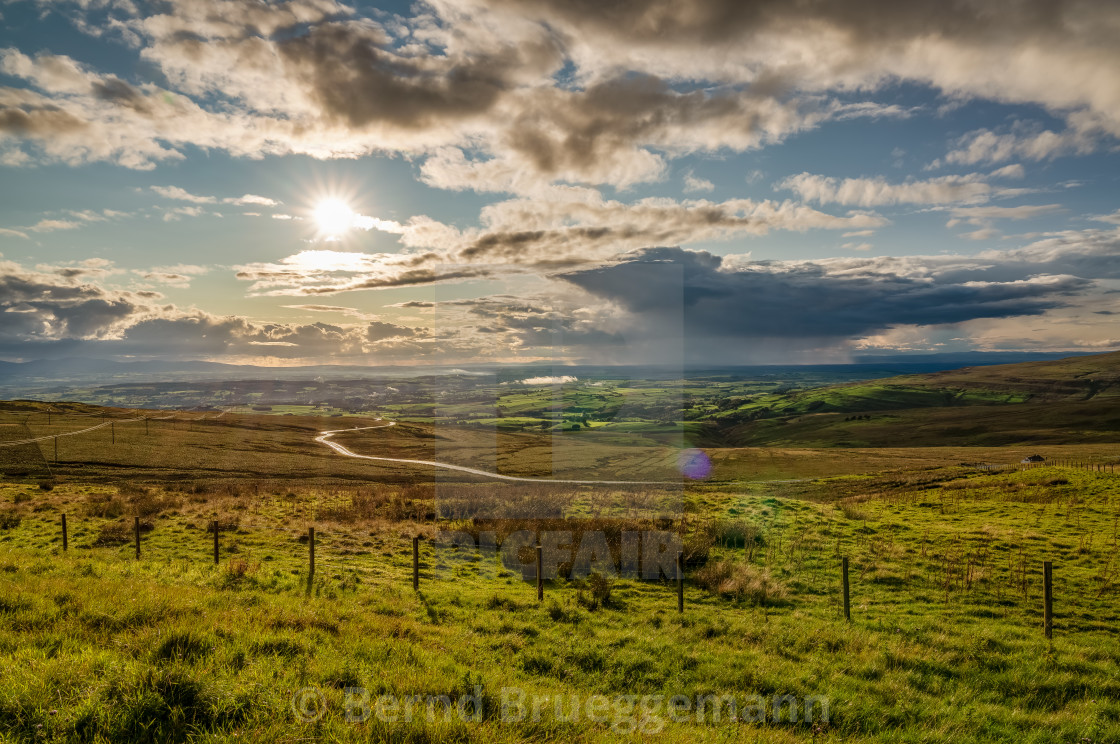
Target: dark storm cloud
[(763, 300), (45, 305)]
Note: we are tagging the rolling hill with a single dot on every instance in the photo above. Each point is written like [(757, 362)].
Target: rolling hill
[(1054, 401)]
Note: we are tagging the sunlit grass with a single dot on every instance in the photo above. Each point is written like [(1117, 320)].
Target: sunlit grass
[(945, 645)]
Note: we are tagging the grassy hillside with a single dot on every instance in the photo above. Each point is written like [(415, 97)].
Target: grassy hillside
[(1036, 403), (945, 642)]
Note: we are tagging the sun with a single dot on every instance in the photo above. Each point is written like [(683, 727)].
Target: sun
[(333, 217)]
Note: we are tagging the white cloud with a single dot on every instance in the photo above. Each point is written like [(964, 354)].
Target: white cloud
[(869, 192), (251, 199), (979, 215), (50, 225), (986, 146), (693, 184), (178, 194)]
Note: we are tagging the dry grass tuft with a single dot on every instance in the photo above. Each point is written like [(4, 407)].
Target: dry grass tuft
[(742, 581)]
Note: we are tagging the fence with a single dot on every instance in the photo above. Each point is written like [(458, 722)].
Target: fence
[(677, 577)]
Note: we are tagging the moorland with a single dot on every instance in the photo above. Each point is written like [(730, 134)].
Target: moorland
[(916, 480)]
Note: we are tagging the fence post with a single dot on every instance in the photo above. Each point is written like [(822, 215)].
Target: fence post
[(311, 554), (145, 426), (680, 581), (113, 431), (1048, 598), (540, 574), (136, 524), (216, 547), (847, 596), (416, 564), (65, 544), (56, 449)]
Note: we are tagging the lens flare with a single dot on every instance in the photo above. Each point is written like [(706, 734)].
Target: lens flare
[(694, 464)]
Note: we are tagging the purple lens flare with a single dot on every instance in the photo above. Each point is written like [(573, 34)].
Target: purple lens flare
[(694, 464)]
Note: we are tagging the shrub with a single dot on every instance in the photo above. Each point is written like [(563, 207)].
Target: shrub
[(104, 506), (119, 533), (601, 588), (850, 509), (742, 581), (239, 568)]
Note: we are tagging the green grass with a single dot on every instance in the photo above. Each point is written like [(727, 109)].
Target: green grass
[(945, 643)]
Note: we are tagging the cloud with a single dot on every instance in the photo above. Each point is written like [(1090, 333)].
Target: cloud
[(178, 194), (982, 215), (719, 304), (1113, 218), (509, 96), (692, 184), (50, 225), (379, 331), (176, 213), (50, 312), (321, 272), (56, 304), (871, 192), (13, 233), (658, 304), (986, 146), (251, 199), (340, 309), (561, 229), (1050, 54), (178, 276)]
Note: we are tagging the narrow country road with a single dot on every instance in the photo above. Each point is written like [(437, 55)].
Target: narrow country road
[(325, 438)]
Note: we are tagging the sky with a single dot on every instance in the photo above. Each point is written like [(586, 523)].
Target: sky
[(489, 181)]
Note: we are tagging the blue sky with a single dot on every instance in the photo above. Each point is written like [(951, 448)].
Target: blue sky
[(489, 180)]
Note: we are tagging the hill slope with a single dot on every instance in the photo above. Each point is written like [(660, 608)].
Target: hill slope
[(1067, 400)]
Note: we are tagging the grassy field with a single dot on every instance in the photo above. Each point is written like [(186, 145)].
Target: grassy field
[(945, 643)]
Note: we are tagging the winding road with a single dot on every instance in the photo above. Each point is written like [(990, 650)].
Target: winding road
[(325, 438)]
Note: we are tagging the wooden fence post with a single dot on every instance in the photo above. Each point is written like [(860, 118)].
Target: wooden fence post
[(540, 574), (56, 449), (680, 581), (113, 431), (136, 524), (847, 596), (216, 546), (416, 564), (65, 544), (1048, 598), (311, 553)]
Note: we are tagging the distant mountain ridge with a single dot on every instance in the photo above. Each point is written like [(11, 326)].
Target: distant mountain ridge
[(108, 370)]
